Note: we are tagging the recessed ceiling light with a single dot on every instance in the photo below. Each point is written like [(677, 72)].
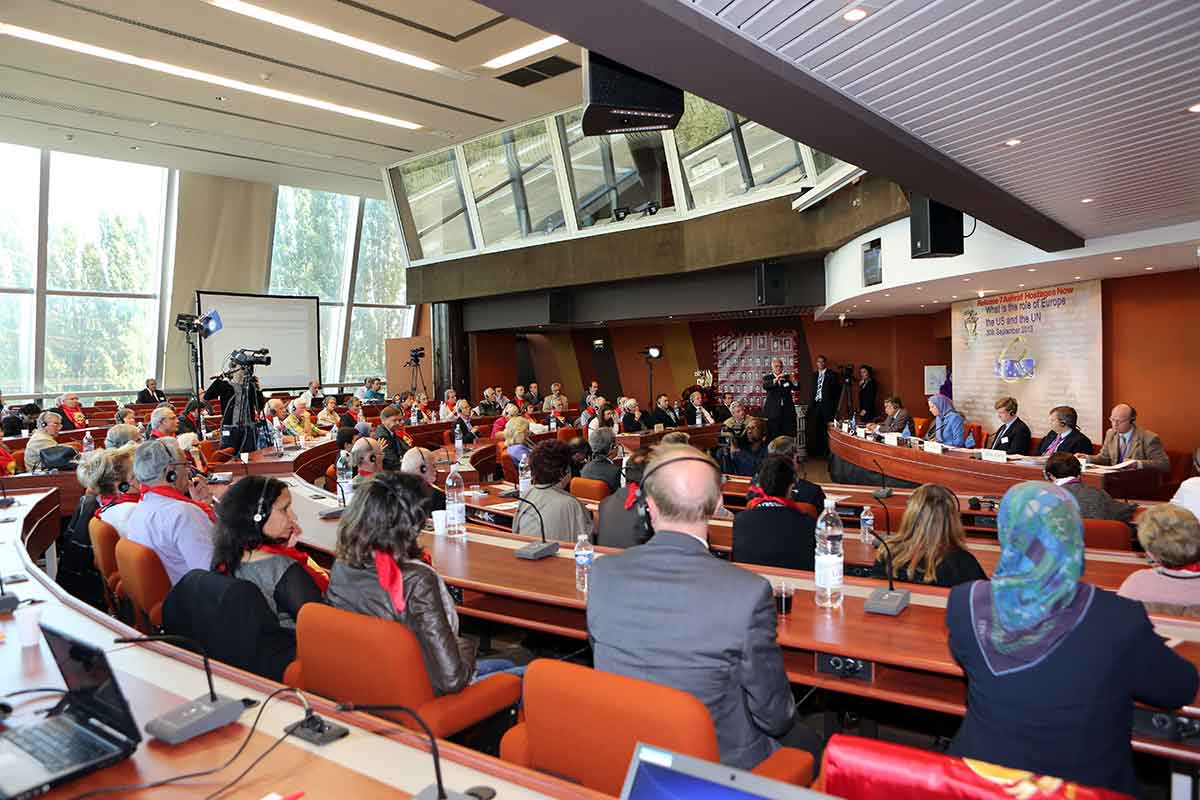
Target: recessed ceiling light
[(1078, 277), (854, 306), (981, 292), (866, 301), (1013, 142), (513, 56), (920, 288), (966, 280), (134, 147), (953, 297), (321, 32), (1194, 109), (1020, 286), (220, 98), (887, 295), (855, 15), (1031, 269), (197, 75), (751, 312), (1088, 200), (922, 305), (1118, 258), (1149, 269), (154, 124)]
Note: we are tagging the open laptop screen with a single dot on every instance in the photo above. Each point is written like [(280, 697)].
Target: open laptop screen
[(657, 774), (91, 682)]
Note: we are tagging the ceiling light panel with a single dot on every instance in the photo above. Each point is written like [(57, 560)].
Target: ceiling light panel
[(522, 53)]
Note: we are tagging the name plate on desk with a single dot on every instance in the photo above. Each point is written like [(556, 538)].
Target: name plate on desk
[(892, 438), (933, 447), (862, 433), (997, 456)]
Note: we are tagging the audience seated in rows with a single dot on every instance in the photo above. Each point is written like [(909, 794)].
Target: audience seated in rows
[(163, 422), (551, 401), (1170, 535), (371, 391), (299, 422), (1053, 664), (110, 494), (354, 414), (1065, 470), (736, 423), (643, 621), (189, 421), (632, 418), (446, 409), (366, 458), (562, 515), (617, 523), (174, 518), (488, 407), (930, 546), (772, 531), (600, 466), (665, 414), (71, 411), (462, 422), (510, 412), (255, 540), (381, 571)]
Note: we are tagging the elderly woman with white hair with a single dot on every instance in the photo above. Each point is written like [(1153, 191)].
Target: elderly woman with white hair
[(632, 419), (49, 423), (122, 434), (189, 445)]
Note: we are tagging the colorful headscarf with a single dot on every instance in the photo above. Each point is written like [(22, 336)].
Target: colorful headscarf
[(1034, 598), (941, 403)]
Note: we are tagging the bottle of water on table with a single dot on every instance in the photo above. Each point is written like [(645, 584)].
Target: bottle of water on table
[(866, 525), (584, 555), (829, 558), (526, 475), (456, 504), (458, 441), (89, 444)]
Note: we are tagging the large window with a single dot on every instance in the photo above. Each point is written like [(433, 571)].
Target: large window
[(432, 206), (512, 177), (313, 254), (21, 168)]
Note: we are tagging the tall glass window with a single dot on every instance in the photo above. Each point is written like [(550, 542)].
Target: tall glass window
[(512, 178), (105, 232), (21, 168), (379, 312), (432, 207)]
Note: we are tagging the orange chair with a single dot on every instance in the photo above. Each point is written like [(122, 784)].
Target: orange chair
[(1110, 534), (608, 715), (509, 468), (208, 449), (355, 658), (19, 460), (144, 581), (331, 477), (589, 489), (920, 426), (221, 456), (104, 551), (976, 430), (856, 768), (565, 434)]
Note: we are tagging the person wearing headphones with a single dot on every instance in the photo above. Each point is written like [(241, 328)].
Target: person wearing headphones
[(617, 523), (1127, 441), (563, 516), (174, 518), (643, 621), (600, 466), (366, 456), (163, 422), (49, 423), (419, 462), (255, 540)]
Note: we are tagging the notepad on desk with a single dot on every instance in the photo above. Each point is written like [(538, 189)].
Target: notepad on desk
[(1101, 468)]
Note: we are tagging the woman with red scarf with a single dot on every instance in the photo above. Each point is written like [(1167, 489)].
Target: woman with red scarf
[(71, 410), (772, 531), (255, 540)]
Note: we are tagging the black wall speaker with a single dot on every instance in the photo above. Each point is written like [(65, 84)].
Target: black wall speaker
[(618, 99), (770, 283), (936, 229), (558, 308)]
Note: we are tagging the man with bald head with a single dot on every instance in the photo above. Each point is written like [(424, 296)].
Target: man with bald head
[(419, 462), (1126, 441), (670, 612)]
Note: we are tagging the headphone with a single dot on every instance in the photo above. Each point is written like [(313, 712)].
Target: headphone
[(171, 475), (123, 487), (259, 515), (641, 508), (424, 462)]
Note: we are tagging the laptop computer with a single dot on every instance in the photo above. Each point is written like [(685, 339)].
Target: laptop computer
[(90, 728), (657, 774)]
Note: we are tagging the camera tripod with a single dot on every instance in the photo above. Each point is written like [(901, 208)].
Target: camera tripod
[(415, 376)]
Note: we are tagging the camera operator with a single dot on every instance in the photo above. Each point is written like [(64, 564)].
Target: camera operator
[(739, 459)]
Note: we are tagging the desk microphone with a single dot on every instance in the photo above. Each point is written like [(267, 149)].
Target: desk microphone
[(890, 601), (883, 491), (438, 791), (535, 551), (195, 717), (8, 602), (5, 500)]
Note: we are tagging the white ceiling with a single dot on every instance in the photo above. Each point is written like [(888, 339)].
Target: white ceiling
[(51, 97), (1096, 90)]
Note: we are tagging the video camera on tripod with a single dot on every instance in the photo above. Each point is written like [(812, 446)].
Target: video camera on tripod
[(244, 357), (414, 356)]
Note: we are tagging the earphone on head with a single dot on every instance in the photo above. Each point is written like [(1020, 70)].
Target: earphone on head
[(123, 487), (641, 508), (259, 515), (171, 475)]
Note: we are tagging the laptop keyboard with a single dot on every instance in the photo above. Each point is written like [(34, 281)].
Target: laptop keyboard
[(57, 743)]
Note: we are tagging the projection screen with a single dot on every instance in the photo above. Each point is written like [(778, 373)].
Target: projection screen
[(288, 326)]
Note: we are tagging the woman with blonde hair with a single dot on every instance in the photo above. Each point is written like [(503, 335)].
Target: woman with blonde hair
[(930, 546), (510, 411), (516, 438)]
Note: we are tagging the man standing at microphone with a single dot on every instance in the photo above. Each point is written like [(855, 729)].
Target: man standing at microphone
[(778, 407)]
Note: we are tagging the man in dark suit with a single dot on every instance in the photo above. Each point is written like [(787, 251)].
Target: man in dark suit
[(1064, 437), (1013, 435), (589, 395), (632, 418), (671, 613), (663, 413), (151, 394), (725, 410), (778, 407), (773, 532), (822, 408), (617, 523), (391, 436)]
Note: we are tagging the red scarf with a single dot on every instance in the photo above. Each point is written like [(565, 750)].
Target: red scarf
[(75, 415), (390, 578), (320, 577), (631, 498), (759, 496), (107, 501), (174, 494), (156, 434), (1187, 567), (365, 473)]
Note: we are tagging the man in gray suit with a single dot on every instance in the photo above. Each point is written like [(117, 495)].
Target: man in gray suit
[(670, 612)]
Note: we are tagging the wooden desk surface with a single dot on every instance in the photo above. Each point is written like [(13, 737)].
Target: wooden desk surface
[(702, 436), (156, 677)]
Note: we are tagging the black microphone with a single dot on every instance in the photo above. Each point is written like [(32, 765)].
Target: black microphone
[(195, 717), (890, 601), (535, 551), (437, 792), (883, 491), (5, 500), (8, 602)]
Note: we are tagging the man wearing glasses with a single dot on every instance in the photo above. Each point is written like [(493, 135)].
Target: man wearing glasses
[(1126, 441)]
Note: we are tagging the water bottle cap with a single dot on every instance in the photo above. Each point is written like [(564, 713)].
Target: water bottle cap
[(830, 503)]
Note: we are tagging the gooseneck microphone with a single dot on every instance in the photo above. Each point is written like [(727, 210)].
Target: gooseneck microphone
[(8, 601), (535, 551), (436, 792), (890, 601), (195, 717), (883, 491)]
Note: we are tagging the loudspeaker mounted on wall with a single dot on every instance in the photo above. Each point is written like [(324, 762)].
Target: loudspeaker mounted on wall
[(770, 284), (558, 308), (936, 230)]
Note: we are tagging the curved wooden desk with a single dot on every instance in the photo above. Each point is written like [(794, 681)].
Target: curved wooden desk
[(970, 475)]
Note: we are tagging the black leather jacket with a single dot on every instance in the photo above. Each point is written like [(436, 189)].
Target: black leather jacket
[(449, 660)]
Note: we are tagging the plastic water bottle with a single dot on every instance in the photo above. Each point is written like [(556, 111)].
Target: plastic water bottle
[(458, 441), (415, 418), (866, 525), (553, 423), (456, 504), (345, 472), (303, 439), (89, 444), (829, 558), (526, 473), (277, 438), (699, 419), (584, 555)]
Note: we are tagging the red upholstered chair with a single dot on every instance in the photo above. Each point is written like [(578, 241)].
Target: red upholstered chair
[(920, 426), (1110, 534), (19, 460), (571, 710), (354, 658), (509, 468), (589, 489), (976, 430), (855, 768), (144, 581), (565, 434), (104, 552)]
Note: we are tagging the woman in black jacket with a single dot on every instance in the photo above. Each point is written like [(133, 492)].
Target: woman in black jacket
[(381, 571), (1054, 665), (868, 394), (930, 546)]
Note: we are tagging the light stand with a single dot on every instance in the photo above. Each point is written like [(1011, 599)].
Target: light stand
[(652, 354)]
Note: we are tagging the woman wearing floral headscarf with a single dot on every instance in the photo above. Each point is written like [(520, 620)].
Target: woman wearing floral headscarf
[(1054, 665), (948, 425)]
